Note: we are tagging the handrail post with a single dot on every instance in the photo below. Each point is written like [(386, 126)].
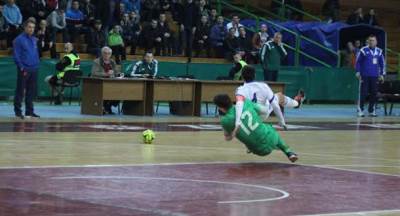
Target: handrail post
[(297, 51), (398, 66), (339, 60), (219, 8)]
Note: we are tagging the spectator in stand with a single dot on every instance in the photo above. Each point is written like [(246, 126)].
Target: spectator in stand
[(88, 10), (165, 6), (176, 9), (136, 30), (201, 37), (188, 21), (75, 19), (204, 9), (356, 18), (57, 23), (3, 29), (246, 46), (217, 37), (13, 18), (96, 39), (37, 9), (294, 14), (231, 44), (150, 10), (116, 43), (235, 25), (45, 41), (260, 38), (127, 33), (331, 9), (132, 6), (52, 5), (166, 36), (152, 37), (212, 19), (370, 18)]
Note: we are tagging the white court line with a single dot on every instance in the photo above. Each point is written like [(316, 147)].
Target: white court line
[(354, 165), (357, 213), (193, 163), (283, 196)]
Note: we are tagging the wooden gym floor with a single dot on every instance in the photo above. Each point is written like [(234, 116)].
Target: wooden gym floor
[(85, 165)]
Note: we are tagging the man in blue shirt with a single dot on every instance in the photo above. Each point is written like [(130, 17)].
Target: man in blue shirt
[(370, 68), (26, 58), (74, 18), (13, 18)]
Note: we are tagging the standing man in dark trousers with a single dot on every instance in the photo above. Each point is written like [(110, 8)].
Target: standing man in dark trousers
[(26, 58), (272, 54), (188, 21), (370, 68)]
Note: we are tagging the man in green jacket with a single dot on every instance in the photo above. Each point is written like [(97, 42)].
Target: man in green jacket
[(272, 54), (116, 43)]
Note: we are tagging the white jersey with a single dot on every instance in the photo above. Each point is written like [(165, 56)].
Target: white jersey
[(257, 92)]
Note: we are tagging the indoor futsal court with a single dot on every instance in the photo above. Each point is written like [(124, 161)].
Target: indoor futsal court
[(72, 164)]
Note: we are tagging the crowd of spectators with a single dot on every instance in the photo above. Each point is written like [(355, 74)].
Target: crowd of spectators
[(166, 27)]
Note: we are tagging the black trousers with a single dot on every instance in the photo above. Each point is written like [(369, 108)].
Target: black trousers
[(270, 75), (119, 53), (368, 87), (26, 83), (187, 41)]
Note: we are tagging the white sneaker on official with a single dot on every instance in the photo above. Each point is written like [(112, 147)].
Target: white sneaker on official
[(360, 114), (373, 114)]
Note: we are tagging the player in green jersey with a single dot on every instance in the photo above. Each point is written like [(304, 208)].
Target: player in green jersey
[(260, 139)]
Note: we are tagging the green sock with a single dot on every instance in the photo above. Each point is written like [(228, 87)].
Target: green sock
[(283, 147)]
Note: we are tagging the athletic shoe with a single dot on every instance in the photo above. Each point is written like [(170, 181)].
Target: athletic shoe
[(33, 115), (19, 115), (284, 127), (373, 114), (300, 97), (360, 114), (292, 157)]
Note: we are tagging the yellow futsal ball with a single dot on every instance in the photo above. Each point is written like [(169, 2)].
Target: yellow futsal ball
[(148, 136)]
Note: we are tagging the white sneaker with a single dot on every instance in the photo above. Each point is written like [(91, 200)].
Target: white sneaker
[(373, 114), (360, 114)]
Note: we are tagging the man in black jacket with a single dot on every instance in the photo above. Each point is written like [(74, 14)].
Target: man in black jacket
[(231, 44), (188, 21), (201, 38), (96, 39), (166, 35), (152, 37)]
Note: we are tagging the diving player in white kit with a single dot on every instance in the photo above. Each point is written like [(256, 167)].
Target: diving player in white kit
[(261, 93)]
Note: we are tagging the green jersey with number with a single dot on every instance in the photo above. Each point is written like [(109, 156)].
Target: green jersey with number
[(258, 137)]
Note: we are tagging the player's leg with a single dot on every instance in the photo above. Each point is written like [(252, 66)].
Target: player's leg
[(286, 150), (288, 102)]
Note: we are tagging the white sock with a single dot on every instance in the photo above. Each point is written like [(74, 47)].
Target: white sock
[(290, 103)]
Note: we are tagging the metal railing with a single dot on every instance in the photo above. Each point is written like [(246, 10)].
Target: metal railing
[(298, 38), (397, 55), (304, 13)]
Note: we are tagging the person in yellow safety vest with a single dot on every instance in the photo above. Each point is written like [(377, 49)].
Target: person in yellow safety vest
[(70, 62), (236, 71)]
